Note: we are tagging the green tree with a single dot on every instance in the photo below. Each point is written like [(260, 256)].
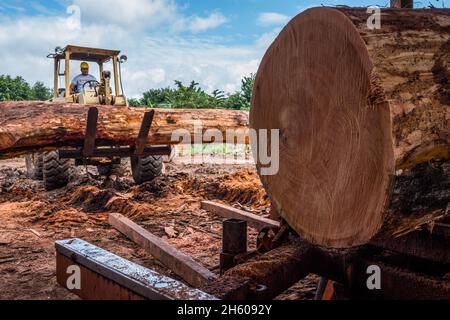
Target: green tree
[(17, 89), (40, 92), (192, 96), (14, 89), (246, 91), (233, 101), (157, 97), (134, 102)]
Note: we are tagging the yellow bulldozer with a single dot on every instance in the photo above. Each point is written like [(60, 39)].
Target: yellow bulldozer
[(93, 92), (54, 167)]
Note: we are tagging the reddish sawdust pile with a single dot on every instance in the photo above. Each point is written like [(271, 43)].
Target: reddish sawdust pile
[(242, 188), (172, 192), (33, 219), (169, 208)]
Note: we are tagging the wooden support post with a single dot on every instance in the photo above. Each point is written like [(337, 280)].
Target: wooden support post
[(55, 78), (234, 243), (116, 75), (67, 74), (181, 264), (228, 212), (100, 68)]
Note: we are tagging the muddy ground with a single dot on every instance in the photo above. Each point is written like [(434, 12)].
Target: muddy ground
[(32, 219)]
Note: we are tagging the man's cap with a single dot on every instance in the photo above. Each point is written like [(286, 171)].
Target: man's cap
[(84, 65)]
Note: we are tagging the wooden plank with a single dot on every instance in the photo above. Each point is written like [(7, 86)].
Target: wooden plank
[(229, 212), (105, 276), (181, 264)]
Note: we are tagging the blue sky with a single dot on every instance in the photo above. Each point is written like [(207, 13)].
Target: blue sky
[(213, 42)]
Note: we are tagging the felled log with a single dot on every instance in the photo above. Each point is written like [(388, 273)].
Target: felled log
[(30, 126), (364, 123)]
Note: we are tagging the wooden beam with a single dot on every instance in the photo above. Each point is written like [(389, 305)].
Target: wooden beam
[(229, 212), (181, 264), (265, 276)]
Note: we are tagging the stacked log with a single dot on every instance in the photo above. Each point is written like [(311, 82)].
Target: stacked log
[(30, 126)]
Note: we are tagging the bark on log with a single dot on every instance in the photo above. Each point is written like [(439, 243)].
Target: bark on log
[(30, 126), (364, 122)]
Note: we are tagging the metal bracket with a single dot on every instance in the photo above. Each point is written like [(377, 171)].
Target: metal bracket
[(91, 132), (141, 149), (143, 132)]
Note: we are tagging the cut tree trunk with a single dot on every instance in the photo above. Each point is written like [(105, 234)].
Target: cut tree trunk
[(30, 126), (364, 123)]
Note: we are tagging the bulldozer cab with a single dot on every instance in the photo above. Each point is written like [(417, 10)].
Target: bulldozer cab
[(94, 92)]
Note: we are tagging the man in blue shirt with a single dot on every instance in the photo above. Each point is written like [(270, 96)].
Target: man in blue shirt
[(79, 81)]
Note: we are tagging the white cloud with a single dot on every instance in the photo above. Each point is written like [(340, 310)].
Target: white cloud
[(199, 24), (157, 56), (129, 13), (272, 19), (146, 14)]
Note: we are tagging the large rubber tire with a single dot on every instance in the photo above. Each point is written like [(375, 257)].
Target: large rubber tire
[(35, 164), (56, 171), (146, 169)]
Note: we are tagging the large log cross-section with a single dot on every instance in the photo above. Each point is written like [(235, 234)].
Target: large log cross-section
[(364, 122)]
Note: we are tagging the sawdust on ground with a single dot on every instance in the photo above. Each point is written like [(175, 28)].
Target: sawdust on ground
[(169, 207)]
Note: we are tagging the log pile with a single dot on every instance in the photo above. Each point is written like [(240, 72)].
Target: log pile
[(30, 126), (364, 123)]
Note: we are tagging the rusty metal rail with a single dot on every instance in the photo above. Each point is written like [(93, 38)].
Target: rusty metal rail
[(105, 276)]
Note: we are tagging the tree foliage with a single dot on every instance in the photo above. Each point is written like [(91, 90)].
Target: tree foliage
[(40, 92), (17, 89), (192, 96)]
